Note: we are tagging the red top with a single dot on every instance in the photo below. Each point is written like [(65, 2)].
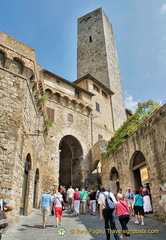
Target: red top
[(76, 196), (122, 209)]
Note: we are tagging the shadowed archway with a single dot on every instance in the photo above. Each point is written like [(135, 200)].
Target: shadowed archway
[(114, 180), (71, 162), (27, 168), (139, 168)]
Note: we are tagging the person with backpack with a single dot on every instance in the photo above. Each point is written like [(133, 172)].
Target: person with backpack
[(107, 203)]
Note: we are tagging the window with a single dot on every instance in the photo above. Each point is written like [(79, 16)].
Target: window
[(50, 113), (104, 94), (97, 107), (95, 88), (100, 137), (2, 59), (16, 66), (70, 117), (90, 38), (77, 94)]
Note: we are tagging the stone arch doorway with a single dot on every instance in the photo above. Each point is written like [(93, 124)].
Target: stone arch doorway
[(96, 175), (27, 168), (71, 162), (35, 192), (139, 169), (114, 180)]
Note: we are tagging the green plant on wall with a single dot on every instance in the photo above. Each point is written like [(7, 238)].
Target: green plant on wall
[(143, 111), (48, 122), (44, 98)]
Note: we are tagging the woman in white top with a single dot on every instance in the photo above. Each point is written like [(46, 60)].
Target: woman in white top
[(58, 208)]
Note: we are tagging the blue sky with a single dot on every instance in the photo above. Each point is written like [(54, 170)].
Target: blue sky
[(50, 27)]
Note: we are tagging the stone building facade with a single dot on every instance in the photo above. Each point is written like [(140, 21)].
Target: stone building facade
[(35, 157), (84, 113)]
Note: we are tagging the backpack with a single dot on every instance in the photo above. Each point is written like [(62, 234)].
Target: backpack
[(109, 204)]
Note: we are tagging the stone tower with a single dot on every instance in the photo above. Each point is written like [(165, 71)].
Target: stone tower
[(96, 54)]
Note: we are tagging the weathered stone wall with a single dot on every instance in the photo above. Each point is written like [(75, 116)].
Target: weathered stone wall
[(19, 110), (62, 99), (150, 140), (102, 121)]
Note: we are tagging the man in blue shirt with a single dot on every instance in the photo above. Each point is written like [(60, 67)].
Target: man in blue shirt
[(5, 207), (45, 203), (130, 198)]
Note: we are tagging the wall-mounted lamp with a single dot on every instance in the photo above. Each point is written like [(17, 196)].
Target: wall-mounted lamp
[(39, 127)]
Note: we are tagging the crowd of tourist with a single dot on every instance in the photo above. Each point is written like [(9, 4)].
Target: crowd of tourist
[(127, 204)]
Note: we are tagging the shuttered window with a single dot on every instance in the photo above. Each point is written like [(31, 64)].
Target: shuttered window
[(50, 113), (97, 107)]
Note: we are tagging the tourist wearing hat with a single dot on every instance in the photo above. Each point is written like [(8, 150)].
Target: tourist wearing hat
[(129, 197)]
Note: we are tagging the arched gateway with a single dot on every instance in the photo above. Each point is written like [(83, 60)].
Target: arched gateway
[(71, 162), (139, 168)]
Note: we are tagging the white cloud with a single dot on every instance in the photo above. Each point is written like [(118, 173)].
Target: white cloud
[(163, 8), (130, 104)]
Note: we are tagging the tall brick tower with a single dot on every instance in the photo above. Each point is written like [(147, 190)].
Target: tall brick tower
[(96, 54)]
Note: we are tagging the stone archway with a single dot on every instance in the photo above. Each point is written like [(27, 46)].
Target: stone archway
[(71, 162), (96, 175), (27, 168), (139, 169), (114, 180)]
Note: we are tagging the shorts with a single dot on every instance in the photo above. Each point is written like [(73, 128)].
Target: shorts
[(58, 212), (70, 201), (139, 209), (45, 211), (83, 202)]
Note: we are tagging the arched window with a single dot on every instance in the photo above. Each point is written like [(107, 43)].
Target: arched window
[(16, 66), (2, 59)]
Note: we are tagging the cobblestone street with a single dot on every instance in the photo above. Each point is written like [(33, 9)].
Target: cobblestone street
[(82, 227)]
